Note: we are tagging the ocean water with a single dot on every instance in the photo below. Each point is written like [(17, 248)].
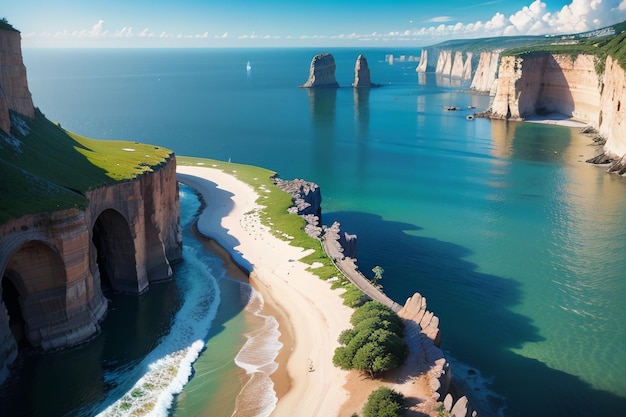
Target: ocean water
[(516, 242)]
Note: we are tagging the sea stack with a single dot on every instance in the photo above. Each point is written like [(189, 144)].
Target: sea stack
[(322, 72), (361, 73)]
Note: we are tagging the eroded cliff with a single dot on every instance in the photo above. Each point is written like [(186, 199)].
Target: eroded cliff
[(544, 83), (485, 76), (449, 63), (78, 218), (14, 93), (548, 83)]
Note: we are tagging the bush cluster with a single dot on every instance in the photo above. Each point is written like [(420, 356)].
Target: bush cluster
[(376, 342), (384, 402)]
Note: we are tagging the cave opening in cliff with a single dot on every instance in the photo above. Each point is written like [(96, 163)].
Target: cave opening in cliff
[(34, 293), (115, 253), (10, 299)]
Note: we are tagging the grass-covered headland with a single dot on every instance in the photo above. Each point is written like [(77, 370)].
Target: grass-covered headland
[(45, 168)]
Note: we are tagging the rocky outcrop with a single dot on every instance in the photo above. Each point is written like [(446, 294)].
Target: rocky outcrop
[(423, 338), (486, 73), (361, 73), (305, 195), (451, 64), (423, 64), (322, 72), (444, 62), (14, 93), (612, 114), (467, 67), (55, 266)]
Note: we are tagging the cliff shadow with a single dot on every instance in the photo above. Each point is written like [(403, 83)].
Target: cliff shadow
[(479, 328), (545, 90)]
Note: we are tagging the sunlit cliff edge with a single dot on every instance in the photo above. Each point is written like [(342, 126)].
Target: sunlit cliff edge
[(78, 218), (579, 76)]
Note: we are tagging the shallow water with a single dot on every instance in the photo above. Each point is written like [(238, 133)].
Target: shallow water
[(517, 244)]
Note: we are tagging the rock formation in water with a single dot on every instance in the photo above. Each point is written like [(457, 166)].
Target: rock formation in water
[(54, 264), (361, 73), (322, 72), (449, 64), (14, 93), (444, 62), (544, 83), (486, 73), (423, 64)]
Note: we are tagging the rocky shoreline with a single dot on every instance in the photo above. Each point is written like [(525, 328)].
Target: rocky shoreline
[(422, 326)]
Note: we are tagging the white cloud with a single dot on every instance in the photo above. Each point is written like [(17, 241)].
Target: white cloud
[(534, 19), (439, 19), (98, 30)]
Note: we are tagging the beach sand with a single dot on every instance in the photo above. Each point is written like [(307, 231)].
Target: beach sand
[(555, 119), (311, 315)]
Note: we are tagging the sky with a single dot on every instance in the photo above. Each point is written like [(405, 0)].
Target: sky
[(296, 23)]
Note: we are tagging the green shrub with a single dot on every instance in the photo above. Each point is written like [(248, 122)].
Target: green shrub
[(384, 402), (376, 342)]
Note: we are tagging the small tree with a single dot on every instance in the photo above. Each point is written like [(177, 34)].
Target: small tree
[(378, 273), (384, 402)]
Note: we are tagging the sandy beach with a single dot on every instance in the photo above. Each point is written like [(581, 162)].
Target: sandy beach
[(311, 315)]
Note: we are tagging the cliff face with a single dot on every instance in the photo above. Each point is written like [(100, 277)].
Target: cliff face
[(55, 266), (14, 93), (548, 83), (423, 64), (612, 114), (484, 80), (568, 85), (449, 64), (322, 72)]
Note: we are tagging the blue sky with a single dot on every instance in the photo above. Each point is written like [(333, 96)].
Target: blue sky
[(259, 23)]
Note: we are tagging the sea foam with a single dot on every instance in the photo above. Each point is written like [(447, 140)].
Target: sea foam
[(258, 358), (163, 373)]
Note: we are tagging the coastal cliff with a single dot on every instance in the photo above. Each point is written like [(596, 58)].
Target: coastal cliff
[(14, 93), (542, 83), (79, 218), (449, 63), (486, 73)]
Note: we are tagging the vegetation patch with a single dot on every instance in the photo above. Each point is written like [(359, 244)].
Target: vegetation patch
[(384, 402), (376, 342), (600, 47), (47, 168)]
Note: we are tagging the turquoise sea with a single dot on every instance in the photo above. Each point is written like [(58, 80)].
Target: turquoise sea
[(517, 243)]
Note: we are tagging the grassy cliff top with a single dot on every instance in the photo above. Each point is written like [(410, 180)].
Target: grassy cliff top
[(44, 167), (612, 44)]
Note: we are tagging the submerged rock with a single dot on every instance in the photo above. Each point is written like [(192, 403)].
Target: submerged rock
[(322, 72)]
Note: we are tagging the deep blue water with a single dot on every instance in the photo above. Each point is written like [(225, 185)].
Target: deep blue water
[(517, 244)]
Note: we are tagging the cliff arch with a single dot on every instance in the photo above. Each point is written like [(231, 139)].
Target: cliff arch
[(34, 293), (115, 252)]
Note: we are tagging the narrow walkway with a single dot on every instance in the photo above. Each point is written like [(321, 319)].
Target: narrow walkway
[(349, 269)]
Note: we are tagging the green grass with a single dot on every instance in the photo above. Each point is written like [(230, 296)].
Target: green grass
[(613, 46), (285, 226), (47, 168)]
